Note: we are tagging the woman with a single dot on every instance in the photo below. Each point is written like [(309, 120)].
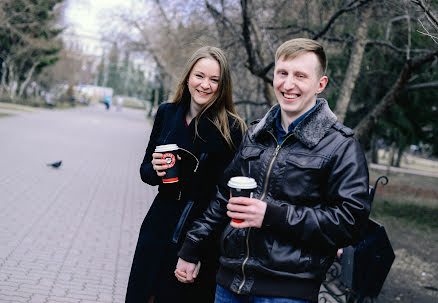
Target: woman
[(202, 121)]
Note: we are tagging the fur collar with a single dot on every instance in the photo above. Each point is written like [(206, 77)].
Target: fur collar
[(309, 131)]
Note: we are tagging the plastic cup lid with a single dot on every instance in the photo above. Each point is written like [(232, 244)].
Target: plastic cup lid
[(165, 148), (242, 183)]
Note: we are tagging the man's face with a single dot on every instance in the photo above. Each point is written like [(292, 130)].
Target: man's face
[(297, 82)]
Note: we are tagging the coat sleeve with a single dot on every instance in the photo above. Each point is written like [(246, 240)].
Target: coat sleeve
[(340, 219), (147, 173), (214, 218)]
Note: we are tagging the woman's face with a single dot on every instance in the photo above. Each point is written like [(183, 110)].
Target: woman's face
[(203, 81)]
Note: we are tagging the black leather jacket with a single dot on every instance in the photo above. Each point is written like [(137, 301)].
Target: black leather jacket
[(315, 185)]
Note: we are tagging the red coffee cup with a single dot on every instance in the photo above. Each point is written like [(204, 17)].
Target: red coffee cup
[(169, 152)]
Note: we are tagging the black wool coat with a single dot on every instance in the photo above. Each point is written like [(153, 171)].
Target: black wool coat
[(177, 205)]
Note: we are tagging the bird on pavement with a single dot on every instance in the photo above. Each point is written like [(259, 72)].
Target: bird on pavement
[(55, 164)]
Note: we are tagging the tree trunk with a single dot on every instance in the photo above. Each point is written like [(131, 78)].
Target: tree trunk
[(353, 67), (27, 80), (3, 79), (392, 156), (374, 150), (399, 156), (11, 82), (391, 153)]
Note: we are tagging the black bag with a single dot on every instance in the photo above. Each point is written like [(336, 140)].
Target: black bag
[(366, 264)]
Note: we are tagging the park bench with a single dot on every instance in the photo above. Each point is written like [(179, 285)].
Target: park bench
[(358, 275)]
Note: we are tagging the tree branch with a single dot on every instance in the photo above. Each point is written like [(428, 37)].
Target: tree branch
[(252, 64), (364, 127), (317, 35), (388, 44), (430, 16), (220, 17), (351, 6), (433, 84)]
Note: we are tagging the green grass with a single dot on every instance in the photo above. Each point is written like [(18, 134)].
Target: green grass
[(418, 181), (408, 199), (411, 214), (133, 104), (16, 108), (5, 115)]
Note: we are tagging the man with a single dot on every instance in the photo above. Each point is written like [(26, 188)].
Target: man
[(312, 195)]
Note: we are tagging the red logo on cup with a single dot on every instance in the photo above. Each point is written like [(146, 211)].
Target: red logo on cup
[(170, 159)]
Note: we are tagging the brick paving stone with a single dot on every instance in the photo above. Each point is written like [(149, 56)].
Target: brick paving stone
[(13, 299), (14, 296), (56, 299), (68, 235), (37, 298)]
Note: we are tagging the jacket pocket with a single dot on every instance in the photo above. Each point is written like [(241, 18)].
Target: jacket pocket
[(261, 243), (303, 177), (287, 258), (250, 151), (249, 155), (233, 242)]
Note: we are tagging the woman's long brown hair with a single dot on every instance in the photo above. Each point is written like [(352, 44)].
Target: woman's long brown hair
[(221, 104)]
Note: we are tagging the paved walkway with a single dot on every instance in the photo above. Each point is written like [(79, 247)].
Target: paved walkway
[(69, 234)]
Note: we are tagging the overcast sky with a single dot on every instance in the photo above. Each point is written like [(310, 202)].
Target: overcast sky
[(85, 17)]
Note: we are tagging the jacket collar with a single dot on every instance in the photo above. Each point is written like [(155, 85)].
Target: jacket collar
[(309, 131)]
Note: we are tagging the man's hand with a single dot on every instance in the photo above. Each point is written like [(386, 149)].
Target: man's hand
[(186, 272), (251, 211)]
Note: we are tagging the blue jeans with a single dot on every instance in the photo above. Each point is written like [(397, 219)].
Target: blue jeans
[(225, 296)]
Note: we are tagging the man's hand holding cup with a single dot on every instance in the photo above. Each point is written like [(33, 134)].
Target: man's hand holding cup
[(244, 210)]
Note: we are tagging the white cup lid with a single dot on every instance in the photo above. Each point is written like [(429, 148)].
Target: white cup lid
[(165, 148), (242, 183)]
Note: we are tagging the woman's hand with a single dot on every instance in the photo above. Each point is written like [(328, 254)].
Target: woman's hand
[(186, 272), (159, 164)]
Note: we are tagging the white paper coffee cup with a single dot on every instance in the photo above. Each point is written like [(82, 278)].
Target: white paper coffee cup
[(241, 187)]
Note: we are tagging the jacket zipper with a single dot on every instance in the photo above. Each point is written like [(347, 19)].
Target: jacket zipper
[(265, 187)]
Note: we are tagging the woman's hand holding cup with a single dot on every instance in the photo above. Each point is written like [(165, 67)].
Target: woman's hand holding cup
[(166, 157), (159, 164)]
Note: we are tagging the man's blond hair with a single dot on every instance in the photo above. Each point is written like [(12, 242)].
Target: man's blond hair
[(296, 47)]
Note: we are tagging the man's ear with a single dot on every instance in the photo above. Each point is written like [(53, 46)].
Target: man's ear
[(322, 84)]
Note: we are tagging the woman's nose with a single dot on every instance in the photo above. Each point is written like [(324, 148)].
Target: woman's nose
[(205, 83)]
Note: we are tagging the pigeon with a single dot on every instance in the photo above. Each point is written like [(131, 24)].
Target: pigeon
[(55, 164)]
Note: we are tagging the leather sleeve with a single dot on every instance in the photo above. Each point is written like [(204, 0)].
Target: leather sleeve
[(214, 219), (339, 219), (147, 173)]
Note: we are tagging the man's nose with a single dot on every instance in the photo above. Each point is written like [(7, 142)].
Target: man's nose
[(289, 83)]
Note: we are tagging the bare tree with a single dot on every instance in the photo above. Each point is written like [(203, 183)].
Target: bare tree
[(354, 65), (251, 30), (363, 129), (431, 17)]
